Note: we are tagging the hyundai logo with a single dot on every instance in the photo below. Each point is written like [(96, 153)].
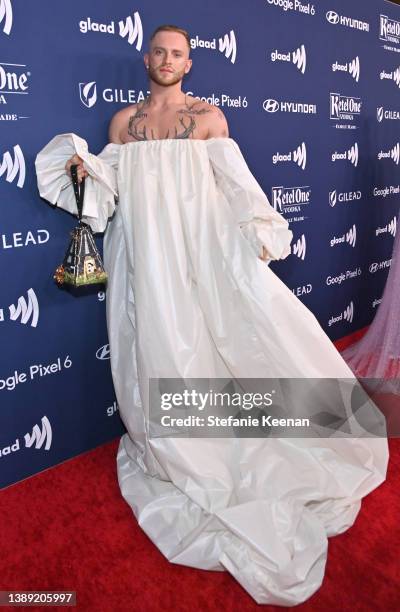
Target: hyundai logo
[(271, 106), (332, 17), (103, 352)]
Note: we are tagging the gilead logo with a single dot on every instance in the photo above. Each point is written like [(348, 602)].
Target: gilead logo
[(88, 93)]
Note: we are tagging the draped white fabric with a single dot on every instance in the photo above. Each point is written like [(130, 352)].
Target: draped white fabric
[(187, 298)]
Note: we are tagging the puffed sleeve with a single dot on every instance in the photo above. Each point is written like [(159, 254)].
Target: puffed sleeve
[(55, 186), (261, 224)]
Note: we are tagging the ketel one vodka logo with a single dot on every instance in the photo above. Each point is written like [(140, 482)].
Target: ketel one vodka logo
[(350, 155), (290, 199), (25, 311), (391, 76), (346, 315), (389, 29), (349, 237), (298, 156), (14, 169), (352, 68), (6, 16), (299, 247), (88, 93), (393, 154), (226, 45), (130, 29), (344, 108), (297, 57), (14, 79)]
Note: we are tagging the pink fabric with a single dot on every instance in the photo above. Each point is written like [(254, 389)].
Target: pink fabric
[(377, 355)]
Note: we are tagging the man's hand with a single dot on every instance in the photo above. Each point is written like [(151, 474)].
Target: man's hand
[(76, 161), (264, 255)]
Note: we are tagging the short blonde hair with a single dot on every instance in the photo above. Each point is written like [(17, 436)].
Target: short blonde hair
[(172, 28)]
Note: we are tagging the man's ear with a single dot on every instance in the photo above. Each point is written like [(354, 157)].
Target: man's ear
[(146, 59), (188, 67)]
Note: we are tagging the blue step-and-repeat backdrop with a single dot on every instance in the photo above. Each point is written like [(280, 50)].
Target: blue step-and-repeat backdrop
[(311, 93)]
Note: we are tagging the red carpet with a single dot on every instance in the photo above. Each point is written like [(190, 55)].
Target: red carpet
[(69, 528)]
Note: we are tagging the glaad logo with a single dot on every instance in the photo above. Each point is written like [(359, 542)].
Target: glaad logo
[(299, 247), (226, 45), (350, 237), (297, 57), (347, 196), (40, 438), (103, 352), (346, 315), (389, 29), (131, 29), (393, 154), (335, 19), (298, 156), (344, 107), (352, 67), (272, 106), (14, 168), (6, 15), (350, 155), (380, 265), (382, 114), (391, 76), (390, 228), (24, 311), (88, 93)]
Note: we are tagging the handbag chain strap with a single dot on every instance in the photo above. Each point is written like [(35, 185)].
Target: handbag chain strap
[(79, 190)]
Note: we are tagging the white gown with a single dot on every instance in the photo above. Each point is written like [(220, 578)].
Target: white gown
[(188, 297)]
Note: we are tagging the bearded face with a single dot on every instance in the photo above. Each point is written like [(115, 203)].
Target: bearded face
[(168, 60)]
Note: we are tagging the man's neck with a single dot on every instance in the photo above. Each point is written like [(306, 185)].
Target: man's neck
[(165, 96)]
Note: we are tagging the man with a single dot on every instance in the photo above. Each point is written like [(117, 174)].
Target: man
[(188, 299), (167, 112)]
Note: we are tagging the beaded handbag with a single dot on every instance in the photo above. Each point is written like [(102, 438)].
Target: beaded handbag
[(82, 263)]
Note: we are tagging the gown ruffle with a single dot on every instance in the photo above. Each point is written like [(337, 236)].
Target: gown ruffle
[(187, 298)]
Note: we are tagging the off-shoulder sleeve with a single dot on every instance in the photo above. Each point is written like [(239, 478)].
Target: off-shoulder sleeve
[(55, 185), (261, 224)]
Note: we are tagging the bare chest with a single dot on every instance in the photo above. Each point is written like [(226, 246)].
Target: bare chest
[(142, 124)]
